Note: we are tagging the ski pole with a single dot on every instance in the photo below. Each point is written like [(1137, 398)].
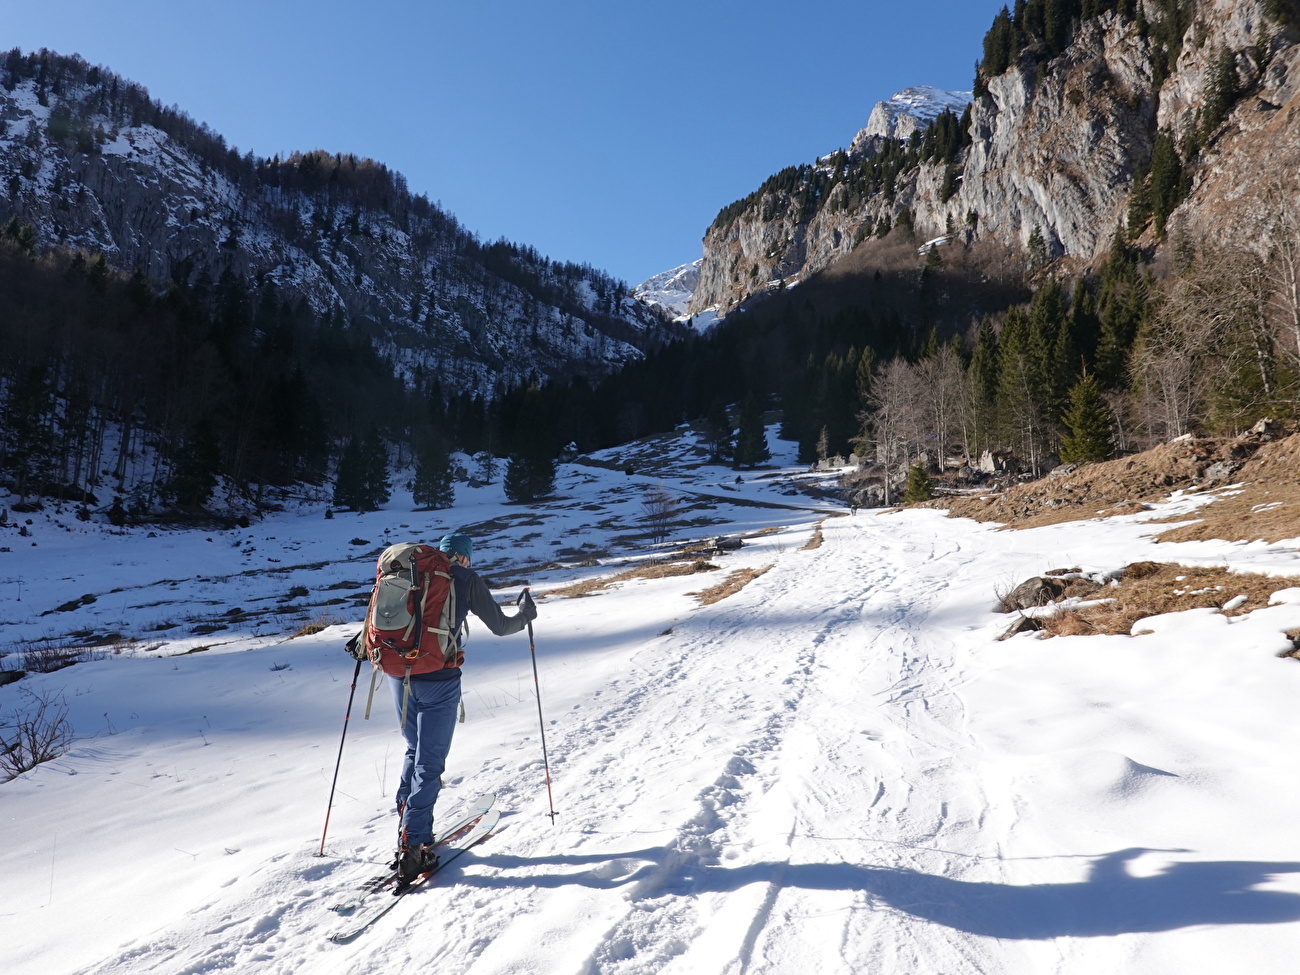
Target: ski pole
[(541, 722), (348, 714)]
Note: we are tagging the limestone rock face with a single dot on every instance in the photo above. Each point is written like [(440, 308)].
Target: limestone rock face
[(1056, 148), (1059, 155)]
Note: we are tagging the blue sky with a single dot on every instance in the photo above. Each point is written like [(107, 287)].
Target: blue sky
[(604, 132)]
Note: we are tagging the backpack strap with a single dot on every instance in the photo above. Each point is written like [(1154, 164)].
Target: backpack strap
[(406, 696), (370, 698)]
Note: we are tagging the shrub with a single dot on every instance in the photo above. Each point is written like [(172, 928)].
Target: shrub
[(38, 733)]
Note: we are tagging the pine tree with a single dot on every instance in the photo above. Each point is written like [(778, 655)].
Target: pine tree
[(25, 442), (196, 469), (350, 480), (362, 479), (530, 469), (375, 459), (751, 439), (486, 471), (1091, 436), (919, 486), (717, 431), (433, 486), (1166, 183), (1121, 304)]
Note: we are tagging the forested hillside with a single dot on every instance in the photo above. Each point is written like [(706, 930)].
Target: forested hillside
[(181, 318)]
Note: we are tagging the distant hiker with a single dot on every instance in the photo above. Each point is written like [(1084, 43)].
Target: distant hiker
[(853, 508), (425, 675)]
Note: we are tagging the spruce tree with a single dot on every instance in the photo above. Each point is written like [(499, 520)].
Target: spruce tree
[(197, 464), (919, 486), (751, 439), (1091, 436), (375, 459), (349, 479), (433, 487), (362, 479), (717, 431), (530, 469)]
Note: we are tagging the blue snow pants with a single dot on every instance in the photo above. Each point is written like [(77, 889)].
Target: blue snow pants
[(431, 713)]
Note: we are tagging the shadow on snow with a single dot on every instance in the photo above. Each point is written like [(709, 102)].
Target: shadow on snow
[(1109, 901)]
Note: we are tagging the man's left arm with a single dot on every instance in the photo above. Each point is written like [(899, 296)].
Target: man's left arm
[(482, 605)]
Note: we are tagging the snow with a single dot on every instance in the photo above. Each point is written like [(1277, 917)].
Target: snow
[(914, 108), (671, 290), (837, 769)]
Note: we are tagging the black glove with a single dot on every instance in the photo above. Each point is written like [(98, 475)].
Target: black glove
[(527, 608), (356, 647)]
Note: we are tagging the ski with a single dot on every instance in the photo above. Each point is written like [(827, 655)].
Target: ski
[(448, 852), (388, 878)]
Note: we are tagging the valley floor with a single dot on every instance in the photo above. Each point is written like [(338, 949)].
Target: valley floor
[(836, 769)]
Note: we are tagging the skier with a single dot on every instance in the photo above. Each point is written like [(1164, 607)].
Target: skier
[(431, 711)]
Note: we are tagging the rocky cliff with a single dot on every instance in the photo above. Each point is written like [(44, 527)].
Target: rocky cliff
[(91, 162), (1053, 153)]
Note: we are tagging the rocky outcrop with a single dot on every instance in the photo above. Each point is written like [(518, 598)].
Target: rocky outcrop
[(1055, 148), (911, 110)]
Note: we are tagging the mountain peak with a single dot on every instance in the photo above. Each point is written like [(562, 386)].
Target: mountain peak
[(910, 110)]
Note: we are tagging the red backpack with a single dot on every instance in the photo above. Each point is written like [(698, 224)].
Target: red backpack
[(412, 616)]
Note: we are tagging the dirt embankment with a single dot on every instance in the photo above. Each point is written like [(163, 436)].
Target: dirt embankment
[(1254, 480)]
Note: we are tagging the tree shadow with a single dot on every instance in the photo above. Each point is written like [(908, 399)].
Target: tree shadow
[(1109, 901)]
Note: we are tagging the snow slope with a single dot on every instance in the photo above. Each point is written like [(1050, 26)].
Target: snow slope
[(671, 290), (836, 769)]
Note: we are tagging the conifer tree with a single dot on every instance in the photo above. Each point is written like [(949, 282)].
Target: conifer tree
[(362, 479), (349, 480), (919, 486), (530, 469), (196, 469), (751, 439), (1121, 301), (1091, 436), (375, 459), (717, 431), (1166, 183), (433, 487)]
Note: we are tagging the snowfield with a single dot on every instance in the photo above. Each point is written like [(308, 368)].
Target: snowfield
[(836, 769)]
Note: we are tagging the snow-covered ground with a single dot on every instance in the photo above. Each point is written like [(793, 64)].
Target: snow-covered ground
[(836, 769)]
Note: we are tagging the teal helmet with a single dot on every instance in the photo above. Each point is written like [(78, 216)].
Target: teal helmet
[(457, 543)]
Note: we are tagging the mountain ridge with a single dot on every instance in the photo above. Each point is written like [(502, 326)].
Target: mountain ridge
[(92, 162), (1095, 112)]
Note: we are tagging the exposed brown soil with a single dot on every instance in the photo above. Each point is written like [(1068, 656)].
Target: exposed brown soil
[(1263, 503), (1151, 588)]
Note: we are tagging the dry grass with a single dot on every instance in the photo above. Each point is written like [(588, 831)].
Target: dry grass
[(322, 621), (731, 585), (816, 540), (1267, 505), (1152, 588), (658, 570)]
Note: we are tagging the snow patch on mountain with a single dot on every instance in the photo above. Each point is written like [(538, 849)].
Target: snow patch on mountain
[(911, 110), (671, 290)]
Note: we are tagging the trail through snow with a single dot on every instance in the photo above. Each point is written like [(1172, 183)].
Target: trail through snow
[(835, 770)]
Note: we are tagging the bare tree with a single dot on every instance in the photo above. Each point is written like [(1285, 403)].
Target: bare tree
[(895, 420), (1284, 273), (659, 511), (940, 380)]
